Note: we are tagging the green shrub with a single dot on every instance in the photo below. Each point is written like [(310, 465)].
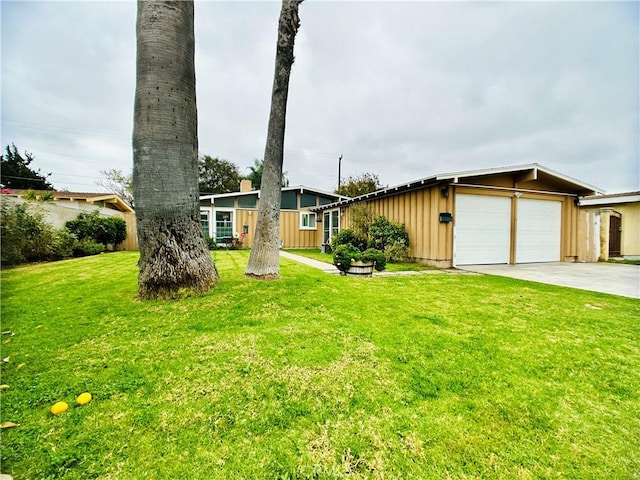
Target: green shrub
[(383, 233), (343, 255), (211, 242), (105, 230), (397, 252), (86, 247), (345, 237), (375, 256), (25, 236), (62, 244)]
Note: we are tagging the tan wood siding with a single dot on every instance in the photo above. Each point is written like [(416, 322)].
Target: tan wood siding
[(290, 233), (432, 241)]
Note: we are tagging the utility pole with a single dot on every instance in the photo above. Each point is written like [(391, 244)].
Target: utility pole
[(339, 168)]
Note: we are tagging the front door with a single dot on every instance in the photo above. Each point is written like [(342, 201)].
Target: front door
[(614, 236), (330, 225)]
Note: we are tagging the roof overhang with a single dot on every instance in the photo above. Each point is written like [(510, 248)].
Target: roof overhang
[(613, 199), (525, 173), (117, 202), (299, 188)]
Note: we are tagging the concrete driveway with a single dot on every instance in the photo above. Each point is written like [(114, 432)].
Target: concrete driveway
[(614, 278)]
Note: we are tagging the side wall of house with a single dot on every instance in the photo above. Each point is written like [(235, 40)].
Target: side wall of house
[(290, 232), (430, 241), (59, 213)]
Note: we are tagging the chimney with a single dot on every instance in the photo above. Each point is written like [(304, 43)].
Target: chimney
[(245, 185)]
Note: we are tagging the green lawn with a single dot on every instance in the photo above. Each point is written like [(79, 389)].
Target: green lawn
[(316, 376)]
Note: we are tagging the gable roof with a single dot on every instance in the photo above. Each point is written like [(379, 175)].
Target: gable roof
[(91, 197), (530, 171)]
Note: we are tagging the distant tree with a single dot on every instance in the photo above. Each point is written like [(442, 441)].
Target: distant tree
[(174, 257), (16, 173), (255, 174), (117, 182), (264, 260), (360, 185), (218, 175)]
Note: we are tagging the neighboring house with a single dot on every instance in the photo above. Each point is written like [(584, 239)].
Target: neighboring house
[(611, 225), (509, 215), (66, 206), (226, 216)]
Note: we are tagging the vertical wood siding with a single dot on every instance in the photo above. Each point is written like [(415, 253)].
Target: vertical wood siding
[(432, 241)]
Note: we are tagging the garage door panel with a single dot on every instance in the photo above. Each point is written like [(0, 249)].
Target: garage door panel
[(482, 229), (538, 231)]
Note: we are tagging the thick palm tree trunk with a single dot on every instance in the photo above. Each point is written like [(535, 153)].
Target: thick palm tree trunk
[(174, 258), (264, 261)]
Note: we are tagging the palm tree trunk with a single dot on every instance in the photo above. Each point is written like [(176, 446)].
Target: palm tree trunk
[(264, 261), (174, 258)]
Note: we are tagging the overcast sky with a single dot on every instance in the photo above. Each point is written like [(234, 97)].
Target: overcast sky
[(404, 90)]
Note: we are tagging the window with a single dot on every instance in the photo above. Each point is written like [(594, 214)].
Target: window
[(204, 221), (224, 226), (307, 221)]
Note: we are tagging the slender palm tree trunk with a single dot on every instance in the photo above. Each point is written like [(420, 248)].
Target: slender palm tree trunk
[(174, 258), (264, 261)]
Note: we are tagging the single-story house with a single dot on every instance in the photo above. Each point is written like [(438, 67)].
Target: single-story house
[(228, 216), (517, 214), (65, 206), (612, 226)]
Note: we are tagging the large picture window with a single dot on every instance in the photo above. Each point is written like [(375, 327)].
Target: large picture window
[(307, 221), (204, 221), (224, 226)]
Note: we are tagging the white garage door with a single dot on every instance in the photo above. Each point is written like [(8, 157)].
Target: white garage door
[(482, 229), (538, 231)]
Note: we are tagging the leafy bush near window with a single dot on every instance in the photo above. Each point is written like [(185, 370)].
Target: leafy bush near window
[(211, 242), (104, 230), (346, 237)]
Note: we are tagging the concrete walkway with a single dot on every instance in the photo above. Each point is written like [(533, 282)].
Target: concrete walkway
[(614, 278), (310, 262), (328, 268)]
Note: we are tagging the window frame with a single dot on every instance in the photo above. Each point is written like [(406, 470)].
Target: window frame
[(309, 216)]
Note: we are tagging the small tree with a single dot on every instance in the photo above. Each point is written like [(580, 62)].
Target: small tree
[(218, 176), (362, 217), (15, 171), (360, 185)]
